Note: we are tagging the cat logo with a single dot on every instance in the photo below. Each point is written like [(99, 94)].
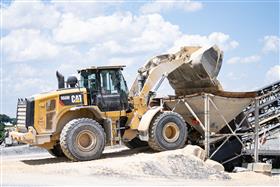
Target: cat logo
[(71, 99), (76, 98)]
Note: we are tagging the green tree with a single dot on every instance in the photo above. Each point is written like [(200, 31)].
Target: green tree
[(5, 119), (2, 132)]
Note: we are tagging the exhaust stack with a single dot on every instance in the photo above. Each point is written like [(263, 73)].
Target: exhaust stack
[(60, 80)]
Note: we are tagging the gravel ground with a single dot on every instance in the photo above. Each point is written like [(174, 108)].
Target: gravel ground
[(30, 166)]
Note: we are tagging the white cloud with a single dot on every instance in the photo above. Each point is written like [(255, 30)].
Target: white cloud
[(251, 59), (32, 14), (223, 40), (73, 29), (84, 9), (37, 14), (234, 60), (34, 84), (122, 61), (24, 71), (162, 6), (235, 76), (118, 33), (28, 44), (27, 78), (273, 74), (191, 6), (271, 44), (244, 60)]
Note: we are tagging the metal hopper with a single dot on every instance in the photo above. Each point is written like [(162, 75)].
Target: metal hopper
[(223, 107)]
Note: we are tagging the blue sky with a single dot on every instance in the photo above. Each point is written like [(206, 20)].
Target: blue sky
[(40, 37)]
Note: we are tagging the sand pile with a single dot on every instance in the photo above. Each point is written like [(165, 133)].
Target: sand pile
[(168, 164), (117, 162)]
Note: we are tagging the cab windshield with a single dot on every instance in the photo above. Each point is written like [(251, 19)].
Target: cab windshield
[(108, 82), (88, 80)]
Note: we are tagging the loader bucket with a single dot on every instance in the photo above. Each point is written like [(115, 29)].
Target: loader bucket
[(198, 73)]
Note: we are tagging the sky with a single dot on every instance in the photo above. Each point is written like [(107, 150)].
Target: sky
[(40, 37)]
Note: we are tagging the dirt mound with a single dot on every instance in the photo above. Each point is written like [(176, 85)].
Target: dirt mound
[(121, 163), (167, 164)]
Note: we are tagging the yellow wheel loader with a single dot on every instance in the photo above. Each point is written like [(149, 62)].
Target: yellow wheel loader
[(86, 114)]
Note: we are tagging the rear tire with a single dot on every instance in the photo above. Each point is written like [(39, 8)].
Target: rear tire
[(82, 139), (167, 132), (56, 151), (135, 143)]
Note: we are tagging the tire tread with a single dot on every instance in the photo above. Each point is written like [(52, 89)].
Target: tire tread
[(152, 130), (66, 131)]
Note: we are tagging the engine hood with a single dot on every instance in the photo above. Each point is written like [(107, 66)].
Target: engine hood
[(58, 92)]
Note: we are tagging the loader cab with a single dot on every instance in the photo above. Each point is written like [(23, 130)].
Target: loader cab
[(106, 87)]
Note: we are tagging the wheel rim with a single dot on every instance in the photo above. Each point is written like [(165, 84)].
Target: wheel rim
[(170, 132), (86, 140)]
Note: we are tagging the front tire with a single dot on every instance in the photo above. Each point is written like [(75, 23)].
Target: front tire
[(167, 132), (82, 139)]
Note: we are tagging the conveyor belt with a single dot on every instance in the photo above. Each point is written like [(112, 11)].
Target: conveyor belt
[(263, 152), (269, 105), (269, 121)]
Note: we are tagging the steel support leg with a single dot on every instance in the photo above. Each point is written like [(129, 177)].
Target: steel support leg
[(207, 125), (256, 147)]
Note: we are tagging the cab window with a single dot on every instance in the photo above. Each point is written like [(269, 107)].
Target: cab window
[(109, 82)]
